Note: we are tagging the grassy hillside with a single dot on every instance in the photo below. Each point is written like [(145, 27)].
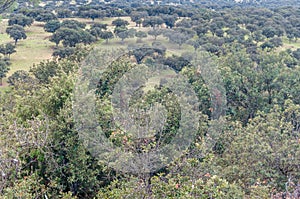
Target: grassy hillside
[(37, 46), (32, 50)]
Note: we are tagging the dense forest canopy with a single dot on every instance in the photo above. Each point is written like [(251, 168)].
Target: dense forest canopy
[(150, 99)]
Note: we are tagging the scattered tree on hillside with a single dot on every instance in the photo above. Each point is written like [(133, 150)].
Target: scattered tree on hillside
[(64, 52), (126, 33), (140, 35), (170, 20), (106, 35), (179, 36), (102, 26), (64, 13), (98, 29), (5, 4), (7, 49), (155, 33), (45, 16), (71, 37), (20, 19), (19, 77), (16, 32), (4, 68), (138, 16), (153, 21), (120, 22), (73, 24), (52, 26), (93, 14)]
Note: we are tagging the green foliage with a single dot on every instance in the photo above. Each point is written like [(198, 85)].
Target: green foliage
[(19, 77), (266, 151), (120, 23), (20, 19), (73, 24), (45, 16), (16, 32), (64, 52), (256, 153), (140, 35), (5, 4), (7, 49), (174, 185), (52, 26), (4, 68), (71, 37)]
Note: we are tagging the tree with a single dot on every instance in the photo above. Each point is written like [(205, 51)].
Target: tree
[(64, 13), (179, 35), (138, 16), (16, 32), (252, 28), (20, 19), (99, 25), (19, 77), (56, 38), (5, 4), (267, 46), (44, 71), (219, 33), (52, 26), (3, 70), (46, 16), (266, 147), (201, 30), (7, 49), (97, 29), (120, 22), (71, 37), (258, 36), (276, 41), (32, 12), (10, 49), (184, 23), (126, 33), (73, 24), (153, 21), (170, 20), (296, 54), (155, 33), (64, 52), (213, 28), (93, 13), (269, 32), (196, 43), (175, 62), (86, 37), (106, 35), (140, 35)]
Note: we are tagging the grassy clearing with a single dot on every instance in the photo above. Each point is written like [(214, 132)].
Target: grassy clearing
[(32, 50), (37, 47), (293, 45), (155, 80)]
